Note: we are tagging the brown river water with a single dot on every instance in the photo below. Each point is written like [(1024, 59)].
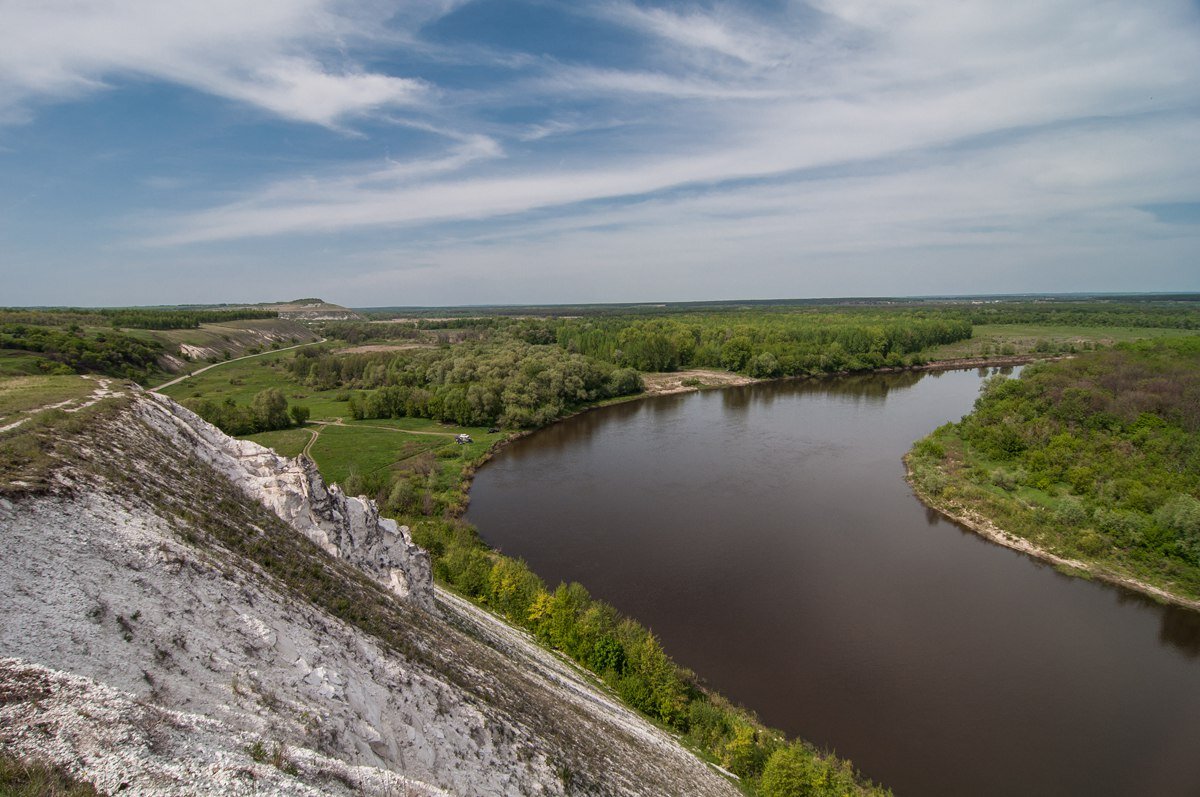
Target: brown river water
[(767, 535)]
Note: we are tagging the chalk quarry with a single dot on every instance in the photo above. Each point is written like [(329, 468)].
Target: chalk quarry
[(186, 614)]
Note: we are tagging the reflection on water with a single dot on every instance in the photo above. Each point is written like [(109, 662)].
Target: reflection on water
[(766, 534), (1180, 628)]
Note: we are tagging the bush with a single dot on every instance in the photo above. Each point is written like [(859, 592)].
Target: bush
[(793, 771), (299, 414)]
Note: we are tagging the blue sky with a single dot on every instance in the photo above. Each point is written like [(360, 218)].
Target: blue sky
[(446, 152)]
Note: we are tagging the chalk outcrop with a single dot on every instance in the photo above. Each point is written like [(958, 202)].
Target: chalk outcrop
[(343, 526), (186, 614)]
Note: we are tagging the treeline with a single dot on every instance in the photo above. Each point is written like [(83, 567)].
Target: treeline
[(764, 344), (268, 410), (1170, 315), (503, 382), (110, 353), (137, 318), (758, 344), (1098, 455), (631, 660), (128, 318)]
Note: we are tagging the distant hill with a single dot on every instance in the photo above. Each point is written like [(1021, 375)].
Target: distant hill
[(311, 310)]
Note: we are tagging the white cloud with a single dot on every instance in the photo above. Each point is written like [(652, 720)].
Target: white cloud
[(837, 131), (725, 31), (284, 56)]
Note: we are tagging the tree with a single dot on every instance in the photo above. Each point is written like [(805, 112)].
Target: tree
[(269, 409), (625, 381)]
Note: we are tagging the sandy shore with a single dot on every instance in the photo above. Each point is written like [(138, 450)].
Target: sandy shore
[(662, 384), (990, 531)]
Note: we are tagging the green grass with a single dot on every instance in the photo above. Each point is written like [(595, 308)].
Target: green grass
[(415, 424), (354, 446), (341, 450), (31, 453), (24, 393), (14, 362), (997, 339), (285, 442), (243, 379)]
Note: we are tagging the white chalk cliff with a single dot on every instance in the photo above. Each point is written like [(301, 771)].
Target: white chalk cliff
[(343, 526), (189, 614)]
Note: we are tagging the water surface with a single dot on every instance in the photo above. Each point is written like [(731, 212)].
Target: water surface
[(767, 534)]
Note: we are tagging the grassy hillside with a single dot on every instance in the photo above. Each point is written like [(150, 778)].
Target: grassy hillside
[(137, 344)]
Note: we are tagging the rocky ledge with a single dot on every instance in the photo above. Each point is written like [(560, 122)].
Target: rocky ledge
[(343, 526)]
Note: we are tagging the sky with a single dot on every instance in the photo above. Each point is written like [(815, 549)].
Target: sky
[(445, 152)]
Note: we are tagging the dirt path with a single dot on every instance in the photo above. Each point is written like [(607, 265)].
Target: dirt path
[(198, 371), (315, 433)]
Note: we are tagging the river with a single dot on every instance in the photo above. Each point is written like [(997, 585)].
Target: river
[(767, 535)]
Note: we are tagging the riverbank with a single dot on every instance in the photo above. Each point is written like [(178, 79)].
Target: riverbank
[(986, 528), (1089, 461)]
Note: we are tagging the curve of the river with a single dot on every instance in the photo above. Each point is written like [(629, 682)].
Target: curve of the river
[(766, 533)]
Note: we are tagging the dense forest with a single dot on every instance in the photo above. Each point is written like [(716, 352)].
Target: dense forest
[(1171, 315), (504, 381), (759, 344), (1097, 458), (765, 344)]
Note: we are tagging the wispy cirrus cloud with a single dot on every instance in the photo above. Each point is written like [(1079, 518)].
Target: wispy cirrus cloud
[(286, 57), (724, 30), (915, 79), (777, 135)]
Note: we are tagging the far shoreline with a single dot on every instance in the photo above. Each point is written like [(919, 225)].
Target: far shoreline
[(985, 528)]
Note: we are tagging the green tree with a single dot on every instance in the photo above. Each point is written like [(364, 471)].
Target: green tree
[(794, 771), (269, 410)]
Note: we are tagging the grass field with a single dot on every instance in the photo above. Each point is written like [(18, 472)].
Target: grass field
[(1000, 339), (20, 394), (371, 446), (285, 442), (417, 424), (343, 446), (24, 363), (342, 450), (242, 380)]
